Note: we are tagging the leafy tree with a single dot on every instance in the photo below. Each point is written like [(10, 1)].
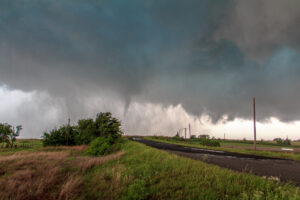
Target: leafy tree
[(14, 134), (65, 135), (86, 131), (9, 134), (107, 125), (5, 131)]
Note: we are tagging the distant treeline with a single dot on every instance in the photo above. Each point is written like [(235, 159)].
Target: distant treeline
[(202, 141), (206, 141)]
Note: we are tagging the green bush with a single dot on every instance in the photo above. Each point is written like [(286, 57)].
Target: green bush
[(65, 135), (85, 131), (102, 146), (177, 138), (83, 139), (209, 142)]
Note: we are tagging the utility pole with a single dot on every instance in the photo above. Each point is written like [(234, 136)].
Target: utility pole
[(190, 130), (224, 136), (254, 124), (184, 133)]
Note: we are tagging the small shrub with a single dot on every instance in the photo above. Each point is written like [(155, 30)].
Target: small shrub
[(177, 138), (210, 142), (103, 146)]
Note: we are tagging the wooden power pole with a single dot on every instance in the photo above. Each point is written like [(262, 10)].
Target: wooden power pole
[(184, 133), (254, 124)]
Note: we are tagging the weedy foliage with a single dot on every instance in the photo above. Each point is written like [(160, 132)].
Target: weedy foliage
[(85, 131)]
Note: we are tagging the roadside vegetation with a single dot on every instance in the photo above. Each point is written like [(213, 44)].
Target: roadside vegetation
[(134, 172), (224, 146)]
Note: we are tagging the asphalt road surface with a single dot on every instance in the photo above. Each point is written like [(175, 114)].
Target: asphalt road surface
[(284, 169)]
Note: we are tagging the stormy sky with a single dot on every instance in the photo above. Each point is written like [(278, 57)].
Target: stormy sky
[(156, 65)]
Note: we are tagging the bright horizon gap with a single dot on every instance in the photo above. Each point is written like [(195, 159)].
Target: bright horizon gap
[(233, 130), (153, 118)]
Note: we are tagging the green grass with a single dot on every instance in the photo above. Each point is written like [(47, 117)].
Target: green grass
[(22, 145), (259, 143), (224, 144), (271, 145), (296, 143), (147, 173), (294, 156)]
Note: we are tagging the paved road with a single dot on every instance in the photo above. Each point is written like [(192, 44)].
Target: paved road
[(284, 169)]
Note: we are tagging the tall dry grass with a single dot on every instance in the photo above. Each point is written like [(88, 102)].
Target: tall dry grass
[(46, 175), (80, 148), (70, 188), (86, 163)]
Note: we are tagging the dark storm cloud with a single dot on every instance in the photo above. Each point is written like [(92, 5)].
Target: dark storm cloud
[(169, 52), (260, 26)]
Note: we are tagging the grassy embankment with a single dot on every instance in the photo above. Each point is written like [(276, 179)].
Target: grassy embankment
[(287, 155), (136, 172)]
